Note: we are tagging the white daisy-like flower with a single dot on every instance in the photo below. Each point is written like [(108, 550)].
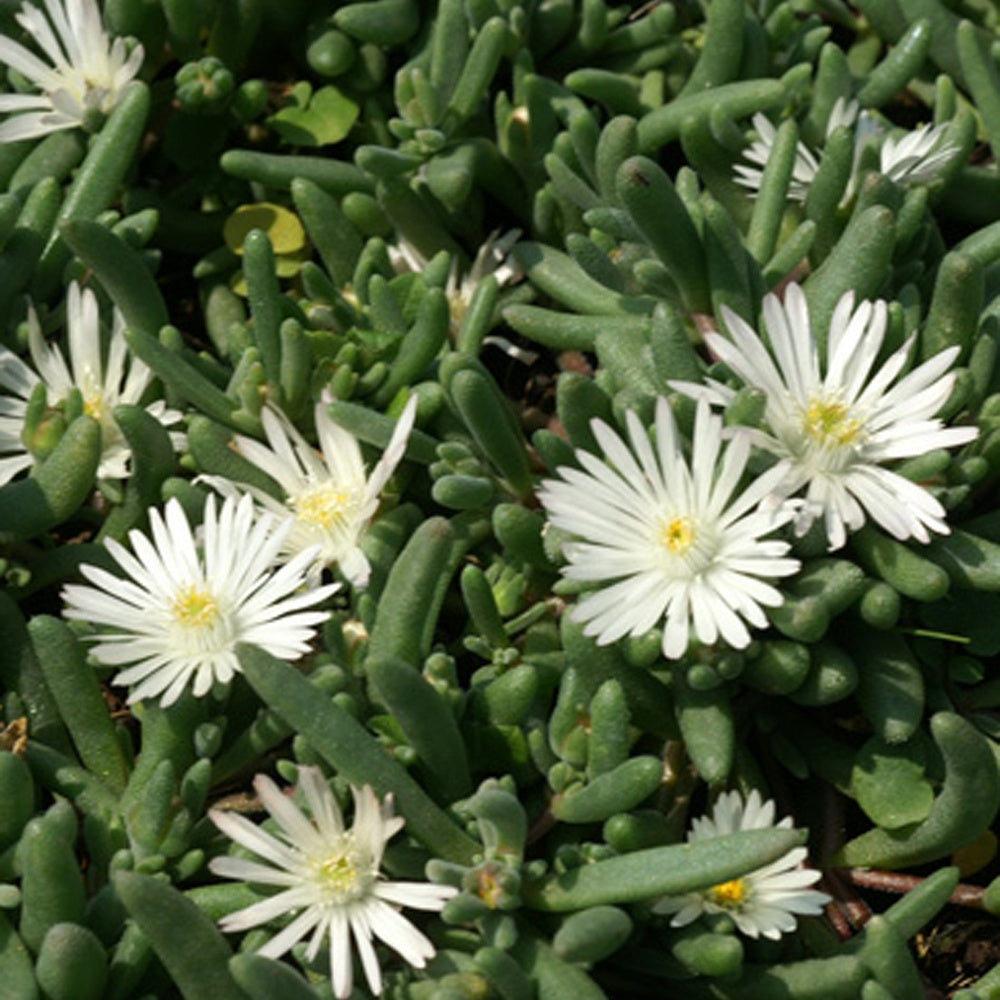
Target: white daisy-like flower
[(909, 158), (176, 616), (834, 425), (806, 161), (683, 543), (18, 381), (82, 79), (764, 902), (328, 495), (759, 152), (103, 382), (916, 157), (329, 877)]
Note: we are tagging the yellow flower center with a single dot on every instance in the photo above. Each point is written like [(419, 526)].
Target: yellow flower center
[(344, 873), (325, 505), (829, 421), (730, 895), (678, 535), (195, 607), (93, 406), (339, 871), (457, 308), (490, 890)]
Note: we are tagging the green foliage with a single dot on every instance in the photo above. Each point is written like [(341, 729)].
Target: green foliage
[(526, 217)]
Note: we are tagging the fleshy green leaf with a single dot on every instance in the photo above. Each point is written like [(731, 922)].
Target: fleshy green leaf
[(329, 116), (889, 782)]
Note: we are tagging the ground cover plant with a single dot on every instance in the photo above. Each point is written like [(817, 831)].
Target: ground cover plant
[(498, 500)]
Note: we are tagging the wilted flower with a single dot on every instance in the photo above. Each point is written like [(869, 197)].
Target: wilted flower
[(682, 541), (81, 81), (492, 258), (330, 878), (764, 902), (182, 607)]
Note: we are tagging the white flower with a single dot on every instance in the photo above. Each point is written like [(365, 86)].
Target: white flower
[(103, 383), (329, 497), (759, 152), (684, 545), (83, 78), (915, 157), (330, 879), (16, 378), (764, 902), (835, 425), (176, 616), (806, 163)]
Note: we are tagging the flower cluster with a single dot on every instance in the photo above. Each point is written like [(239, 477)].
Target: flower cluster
[(188, 602), (910, 158), (554, 646), (680, 542)]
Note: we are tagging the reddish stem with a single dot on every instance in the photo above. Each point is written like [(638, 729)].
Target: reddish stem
[(897, 882)]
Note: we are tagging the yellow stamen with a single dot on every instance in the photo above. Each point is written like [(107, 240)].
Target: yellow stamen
[(324, 505), (678, 535), (339, 871), (195, 607), (729, 894), (490, 891), (457, 308), (830, 421), (93, 406)]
